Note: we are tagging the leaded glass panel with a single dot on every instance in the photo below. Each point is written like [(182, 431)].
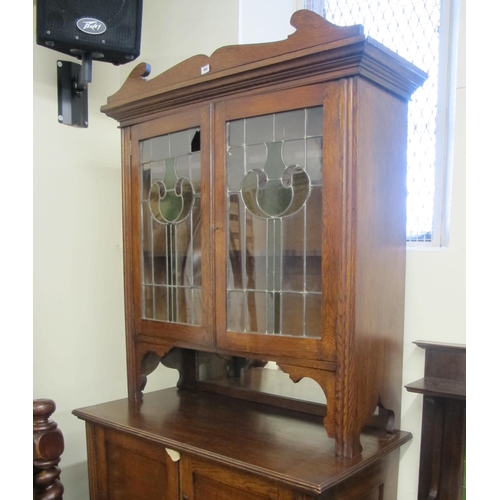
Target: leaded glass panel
[(170, 227), (274, 180)]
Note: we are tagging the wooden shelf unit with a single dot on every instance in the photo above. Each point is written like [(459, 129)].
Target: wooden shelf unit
[(442, 448)]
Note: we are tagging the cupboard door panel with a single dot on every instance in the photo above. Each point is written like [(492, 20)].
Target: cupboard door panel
[(203, 480), (132, 476), (205, 488), (133, 469)]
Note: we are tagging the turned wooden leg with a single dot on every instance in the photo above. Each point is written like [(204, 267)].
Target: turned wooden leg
[(48, 446)]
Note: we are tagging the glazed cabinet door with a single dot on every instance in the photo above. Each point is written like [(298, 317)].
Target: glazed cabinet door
[(279, 239), (167, 227)]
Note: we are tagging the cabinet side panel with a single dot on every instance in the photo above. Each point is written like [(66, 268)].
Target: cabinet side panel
[(368, 484), (92, 462), (127, 227), (380, 201)]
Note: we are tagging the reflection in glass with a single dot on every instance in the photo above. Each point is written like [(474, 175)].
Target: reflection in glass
[(254, 374), (170, 227), (294, 152), (290, 125), (274, 178), (258, 130), (236, 132), (293, 314)]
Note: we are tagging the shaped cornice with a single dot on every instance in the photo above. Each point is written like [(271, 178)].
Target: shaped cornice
[(317, 51)]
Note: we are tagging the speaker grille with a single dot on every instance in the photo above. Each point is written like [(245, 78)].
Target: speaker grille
[(120, 43)]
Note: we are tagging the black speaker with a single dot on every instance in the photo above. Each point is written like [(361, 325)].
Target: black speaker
[(109, 30)]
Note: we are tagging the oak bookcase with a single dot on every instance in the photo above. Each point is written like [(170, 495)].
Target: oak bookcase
[(264, 193)]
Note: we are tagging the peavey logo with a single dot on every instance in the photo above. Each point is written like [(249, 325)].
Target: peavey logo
[(91, 26)]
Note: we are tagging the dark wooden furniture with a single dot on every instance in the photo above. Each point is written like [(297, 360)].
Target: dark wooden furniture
[(442, 449), (48, 446), (264, 221), (195, 445)]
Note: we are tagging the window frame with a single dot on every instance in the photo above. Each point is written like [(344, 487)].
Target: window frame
[(445, 118), (445, 122)]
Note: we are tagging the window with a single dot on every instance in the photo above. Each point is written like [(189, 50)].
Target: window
[(425, 33)]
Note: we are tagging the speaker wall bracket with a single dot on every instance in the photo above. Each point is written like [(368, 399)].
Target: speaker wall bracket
[(72, 92)]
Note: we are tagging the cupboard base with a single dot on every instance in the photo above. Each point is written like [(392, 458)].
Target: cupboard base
[(192, 445)]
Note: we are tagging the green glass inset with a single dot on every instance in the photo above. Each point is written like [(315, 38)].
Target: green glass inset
[(171, 199), (277, 190)]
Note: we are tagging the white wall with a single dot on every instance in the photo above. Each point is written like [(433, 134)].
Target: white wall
[(435, 292), (78, 326), (264, 21), (174, 30), (78, 317), (78, 346)]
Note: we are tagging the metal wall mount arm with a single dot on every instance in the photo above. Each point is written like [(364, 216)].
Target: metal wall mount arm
[(72, 92)]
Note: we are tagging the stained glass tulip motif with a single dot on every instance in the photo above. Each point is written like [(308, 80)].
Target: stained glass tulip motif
[(277, 190), (171, 200)]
